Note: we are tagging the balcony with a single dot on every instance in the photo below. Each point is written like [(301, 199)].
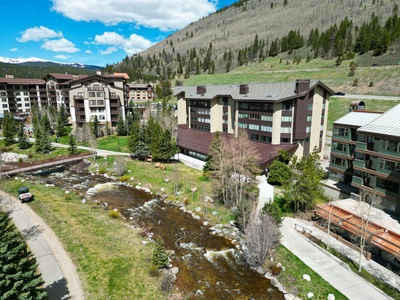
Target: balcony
[(360, 164), (114, 103), (80, 113), (114, 97), (79, 104), (358, 181), (78, 97)]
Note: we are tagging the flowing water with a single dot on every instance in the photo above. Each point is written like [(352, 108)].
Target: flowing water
[(208, 264)]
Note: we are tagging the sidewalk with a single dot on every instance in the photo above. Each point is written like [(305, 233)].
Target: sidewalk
[(56, 267), (330, 268)]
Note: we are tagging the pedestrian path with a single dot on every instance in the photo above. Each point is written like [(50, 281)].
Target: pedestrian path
[(330, 268), (56, 267)]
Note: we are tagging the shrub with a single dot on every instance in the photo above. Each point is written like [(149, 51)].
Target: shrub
[(102, 170), (153, 271), (114, 214), (371, 84), (67, 196), (20, 160), (125, 178), (186, 201), (30, 155), (160, 256), (275, 269)]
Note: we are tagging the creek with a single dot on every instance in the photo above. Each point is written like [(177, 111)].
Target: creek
[(209, 264)]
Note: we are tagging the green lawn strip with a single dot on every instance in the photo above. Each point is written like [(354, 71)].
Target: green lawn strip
[(292, 277), (110, 258), (338, 107)]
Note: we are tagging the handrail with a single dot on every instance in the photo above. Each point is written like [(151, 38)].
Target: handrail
[(44, 165)]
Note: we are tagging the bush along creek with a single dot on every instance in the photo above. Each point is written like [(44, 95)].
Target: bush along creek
[(204, 262)]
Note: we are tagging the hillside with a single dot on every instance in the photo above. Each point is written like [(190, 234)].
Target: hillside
[(246, 31)]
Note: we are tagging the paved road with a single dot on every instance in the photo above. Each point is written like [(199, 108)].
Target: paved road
[(58, 271), (327, 266), (371, 97)]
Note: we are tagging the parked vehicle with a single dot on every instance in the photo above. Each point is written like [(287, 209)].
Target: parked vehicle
[(24, 195), (340, 94)]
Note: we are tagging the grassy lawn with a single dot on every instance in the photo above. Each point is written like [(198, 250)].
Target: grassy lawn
[(292, 277), (338, 107), (113, 143)]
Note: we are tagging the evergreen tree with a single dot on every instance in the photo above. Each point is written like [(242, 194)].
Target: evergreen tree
[(19, 278), (60, 127), (121, 129), (43, 143), (72, 144), (22, 140), (8, 129), (96, 126), (133, 137), (62, 114), (160, 256)]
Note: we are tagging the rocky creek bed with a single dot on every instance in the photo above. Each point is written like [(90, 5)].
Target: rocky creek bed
[(206, 261)]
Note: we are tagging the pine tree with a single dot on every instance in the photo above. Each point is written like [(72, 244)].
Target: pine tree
[(8, 129), (19, 278), (72, 144), (160, 256), (22, 140), (96, 126), (121, 129), (133, 137)]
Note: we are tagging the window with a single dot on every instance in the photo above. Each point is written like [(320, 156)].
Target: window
[(389, 165), (338, 161), (92, 94), (102, 117), (286, 119), (27, 104), (285, 129), (285, 140), (5, 105), (266, 128), (254, 116), (309, 118), (4, 99), (254, 137), (387, 185), (99, 94), (389, 145), (100, 102), (308, 129), (341, 131), (339, 147), (265, 138), (287, 106), (254, 127), (309, 106), (92, 102), (242, 125), (266, 118), (243, 116)]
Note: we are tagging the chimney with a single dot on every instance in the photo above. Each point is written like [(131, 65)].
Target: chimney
[(201, 89), (302, 85), (243, 89)]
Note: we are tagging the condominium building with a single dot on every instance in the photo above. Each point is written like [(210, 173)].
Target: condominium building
[(98, 95), (277, 116), (366, 154), (18, 95)]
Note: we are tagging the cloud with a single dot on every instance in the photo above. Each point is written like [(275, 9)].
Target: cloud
[(15, 49), (88, 52), (165, 15), (38, 34), (61, 56), (60, 45), (109, 50), (134, 44)]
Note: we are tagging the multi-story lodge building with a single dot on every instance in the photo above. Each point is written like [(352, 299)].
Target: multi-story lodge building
[(83, 96), (18, 95), (277, 116), (366, 154), (98, 95)]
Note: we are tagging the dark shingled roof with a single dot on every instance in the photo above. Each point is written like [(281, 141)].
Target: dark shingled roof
[(256, 91), (200, 141), (25, 81)]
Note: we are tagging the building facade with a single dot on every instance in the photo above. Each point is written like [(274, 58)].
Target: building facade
[(367, 155), (277, 116), (97, 95)]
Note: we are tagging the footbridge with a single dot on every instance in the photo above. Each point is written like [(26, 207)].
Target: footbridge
[(34, 166)]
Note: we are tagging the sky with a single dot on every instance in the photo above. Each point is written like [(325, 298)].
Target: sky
[(93, 32)]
